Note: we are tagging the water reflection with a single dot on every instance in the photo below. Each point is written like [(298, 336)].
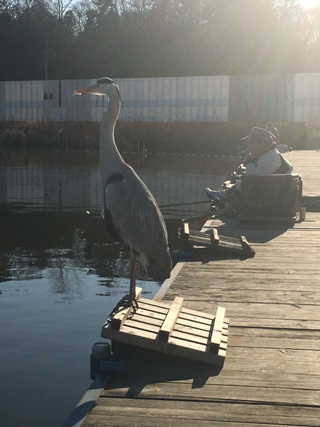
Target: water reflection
[(59, 245), (70, 180)]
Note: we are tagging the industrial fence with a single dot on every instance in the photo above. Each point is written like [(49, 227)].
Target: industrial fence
[(250, 98)]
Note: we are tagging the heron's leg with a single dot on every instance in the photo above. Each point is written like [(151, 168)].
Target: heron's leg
[(132, 292)]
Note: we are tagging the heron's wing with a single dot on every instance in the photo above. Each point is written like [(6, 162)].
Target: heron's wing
[(107, 216), (136, 215)]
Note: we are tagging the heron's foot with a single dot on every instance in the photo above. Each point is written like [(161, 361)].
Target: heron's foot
[(125, 302), (134, 305), (130, 302)]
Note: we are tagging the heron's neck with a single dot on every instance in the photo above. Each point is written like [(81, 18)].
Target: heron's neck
[(109, 153)]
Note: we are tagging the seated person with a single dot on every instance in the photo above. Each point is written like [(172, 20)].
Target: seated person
[(263, 158)]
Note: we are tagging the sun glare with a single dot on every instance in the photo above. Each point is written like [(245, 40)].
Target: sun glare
[(308, 4)]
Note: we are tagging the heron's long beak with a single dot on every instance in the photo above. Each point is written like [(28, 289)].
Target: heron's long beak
[(81, 91)]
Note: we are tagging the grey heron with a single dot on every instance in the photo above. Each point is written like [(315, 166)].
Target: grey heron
[(130, 210)]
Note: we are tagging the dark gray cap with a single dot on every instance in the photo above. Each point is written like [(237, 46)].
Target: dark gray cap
[(259, 133)]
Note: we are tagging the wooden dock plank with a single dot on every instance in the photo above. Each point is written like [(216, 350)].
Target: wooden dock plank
[(199, 376), (212, 393), (193, 413)]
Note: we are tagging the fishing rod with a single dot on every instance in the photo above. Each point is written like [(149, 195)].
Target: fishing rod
[(183, 204)]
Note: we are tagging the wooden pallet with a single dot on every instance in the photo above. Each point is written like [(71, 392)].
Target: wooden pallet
[(171, 329), (211, 239)]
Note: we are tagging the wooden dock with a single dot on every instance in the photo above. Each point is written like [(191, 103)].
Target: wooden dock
[(271, 374)]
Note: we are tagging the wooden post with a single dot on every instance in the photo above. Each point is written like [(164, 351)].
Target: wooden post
[(217, 330), (214, 237)]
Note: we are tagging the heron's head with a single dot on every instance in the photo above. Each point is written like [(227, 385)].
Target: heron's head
[(102, 86)]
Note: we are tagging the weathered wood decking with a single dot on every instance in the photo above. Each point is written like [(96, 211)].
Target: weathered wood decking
[(271, 376)]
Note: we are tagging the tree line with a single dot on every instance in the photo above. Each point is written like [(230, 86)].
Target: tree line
[(72, 39)]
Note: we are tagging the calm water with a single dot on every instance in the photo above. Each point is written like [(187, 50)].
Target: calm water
[(61, 274)]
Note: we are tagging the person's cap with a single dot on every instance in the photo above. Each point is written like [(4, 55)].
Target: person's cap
[(258, 133)]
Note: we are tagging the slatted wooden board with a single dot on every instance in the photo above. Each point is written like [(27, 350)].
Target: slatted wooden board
[(210, 238), (171, 329)]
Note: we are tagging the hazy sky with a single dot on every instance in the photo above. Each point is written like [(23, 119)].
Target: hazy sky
[(310, 3)]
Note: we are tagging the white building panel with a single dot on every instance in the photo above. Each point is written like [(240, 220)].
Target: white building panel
[(25, 104), (2, 101), (13, 100), (175, 99), (306, 102), (203, 99), (12, 92), (23, 101), (136, 103), (35, 105)]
